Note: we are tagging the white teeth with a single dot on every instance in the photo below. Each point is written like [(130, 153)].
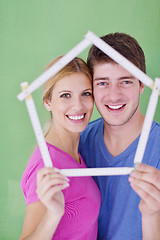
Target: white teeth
[(76, 117), (115, 107)]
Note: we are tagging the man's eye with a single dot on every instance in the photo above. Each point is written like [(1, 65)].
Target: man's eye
[(65, 95), (127, 82), (102, 83)]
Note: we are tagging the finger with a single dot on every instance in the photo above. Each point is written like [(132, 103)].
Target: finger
[(42, 172), (146, 188), (145, 167), (54, 190), (57, 175), (148, 174), (54, 178), (147, 198), (46, 171), (51, 192), (50, 181)]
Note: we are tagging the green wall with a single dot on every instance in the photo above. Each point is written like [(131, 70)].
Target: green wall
[(31, 34)]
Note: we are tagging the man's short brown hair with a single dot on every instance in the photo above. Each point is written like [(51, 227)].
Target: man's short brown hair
[(124, 44)]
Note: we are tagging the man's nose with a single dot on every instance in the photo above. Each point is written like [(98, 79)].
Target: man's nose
[(114, 92)]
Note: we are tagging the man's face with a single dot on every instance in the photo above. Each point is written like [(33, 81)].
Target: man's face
[(116, 93)]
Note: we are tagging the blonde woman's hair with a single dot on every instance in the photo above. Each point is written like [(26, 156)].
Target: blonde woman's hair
[(77, 65)]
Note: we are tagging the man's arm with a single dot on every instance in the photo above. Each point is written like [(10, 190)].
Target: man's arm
[(145, 181)]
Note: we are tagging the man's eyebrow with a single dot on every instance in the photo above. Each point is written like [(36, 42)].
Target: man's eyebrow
[(127, 77), (100, 78), (107, 78)]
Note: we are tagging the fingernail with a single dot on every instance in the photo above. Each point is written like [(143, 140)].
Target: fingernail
[(66, 184), (136, 165), (67, 179), (56, 170), (133, 173), (131, 179)]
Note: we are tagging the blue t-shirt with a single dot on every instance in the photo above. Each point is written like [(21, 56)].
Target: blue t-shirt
[(120, 218)]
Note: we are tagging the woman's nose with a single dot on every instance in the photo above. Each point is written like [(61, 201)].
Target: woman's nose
[(77, 103)]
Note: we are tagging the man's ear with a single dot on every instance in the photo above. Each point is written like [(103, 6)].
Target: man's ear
[(47, 104), (142, 86)]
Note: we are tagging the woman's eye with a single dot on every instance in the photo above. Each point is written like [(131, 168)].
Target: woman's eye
[(87, 94), (65, 95)]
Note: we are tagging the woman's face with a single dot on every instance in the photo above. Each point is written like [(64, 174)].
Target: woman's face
[(71, 103)]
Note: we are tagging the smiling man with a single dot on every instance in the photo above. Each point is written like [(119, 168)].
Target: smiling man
[(130, 209)]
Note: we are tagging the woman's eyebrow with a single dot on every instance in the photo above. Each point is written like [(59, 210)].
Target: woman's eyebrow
[(64, 91)]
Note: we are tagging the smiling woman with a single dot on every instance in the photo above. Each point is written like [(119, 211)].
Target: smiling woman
[(76, 66), (70, 105), (66, 208)]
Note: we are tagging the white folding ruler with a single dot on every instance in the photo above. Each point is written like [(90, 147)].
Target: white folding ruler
[(147, 122), (37, 127), (89, 39), (54, 68)]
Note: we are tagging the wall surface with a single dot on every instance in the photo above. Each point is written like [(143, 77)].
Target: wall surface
[(31, 34)]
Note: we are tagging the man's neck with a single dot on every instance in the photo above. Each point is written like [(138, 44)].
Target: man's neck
[(118, 138)]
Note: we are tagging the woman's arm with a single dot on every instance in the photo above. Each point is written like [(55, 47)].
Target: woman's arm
[(43, 217)]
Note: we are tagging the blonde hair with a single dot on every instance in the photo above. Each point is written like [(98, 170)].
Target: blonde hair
[(77, 65)]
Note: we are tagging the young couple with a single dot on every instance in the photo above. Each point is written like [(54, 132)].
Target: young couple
[(77, 208)]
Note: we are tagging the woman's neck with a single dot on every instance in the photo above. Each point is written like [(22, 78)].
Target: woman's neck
[(64, 140)]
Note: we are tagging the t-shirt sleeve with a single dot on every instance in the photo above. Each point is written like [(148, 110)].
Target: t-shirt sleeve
[(29, 181), (158, 164)]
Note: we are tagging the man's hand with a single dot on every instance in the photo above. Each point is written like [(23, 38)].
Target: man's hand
[(145, 181)]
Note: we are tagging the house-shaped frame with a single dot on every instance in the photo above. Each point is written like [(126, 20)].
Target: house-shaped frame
[(91, 38)]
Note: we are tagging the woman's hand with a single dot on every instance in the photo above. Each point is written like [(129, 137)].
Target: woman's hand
[(49, 185)]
